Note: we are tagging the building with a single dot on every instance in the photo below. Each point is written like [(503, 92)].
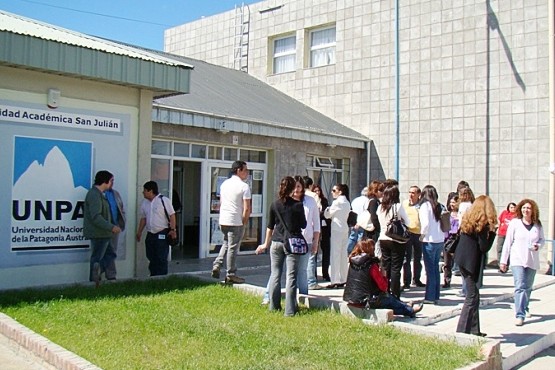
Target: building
[(73, 104), (470, 82)]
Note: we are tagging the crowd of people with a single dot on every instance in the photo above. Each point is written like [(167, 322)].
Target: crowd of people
[(375, 267), (371, 260)]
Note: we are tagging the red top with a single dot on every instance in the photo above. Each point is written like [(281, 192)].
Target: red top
[(378, 278), (504, 218)]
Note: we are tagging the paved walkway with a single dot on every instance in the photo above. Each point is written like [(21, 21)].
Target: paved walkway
[(518, 344)]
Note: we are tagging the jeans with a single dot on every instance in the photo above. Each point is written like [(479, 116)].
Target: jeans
[(311, 268), (157, 253), (414, 252), (393, 254), (469, 320), (278, 257), (302, 275), (232, 242), (399, 308), (432, 254), (524, 280), (354, 236), (100, 254)]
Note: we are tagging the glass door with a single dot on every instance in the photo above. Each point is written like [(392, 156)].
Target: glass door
[(218, 173)]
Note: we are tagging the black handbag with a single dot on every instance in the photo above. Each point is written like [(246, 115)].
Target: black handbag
[(451, 243), (352, 219), (396, 230)]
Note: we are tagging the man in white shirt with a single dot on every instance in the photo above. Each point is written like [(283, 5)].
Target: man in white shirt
[(235, 210), (358, 205), (158, 216)]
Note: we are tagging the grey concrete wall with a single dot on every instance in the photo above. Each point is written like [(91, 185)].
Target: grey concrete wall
[(473, 84)]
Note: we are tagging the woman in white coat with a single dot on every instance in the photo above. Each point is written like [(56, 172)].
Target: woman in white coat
[(339, 212)]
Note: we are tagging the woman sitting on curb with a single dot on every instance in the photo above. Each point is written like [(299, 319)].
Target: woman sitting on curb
[(367, 286)]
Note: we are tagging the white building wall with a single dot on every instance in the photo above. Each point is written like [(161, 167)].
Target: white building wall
[(473, 99), (24, 88)]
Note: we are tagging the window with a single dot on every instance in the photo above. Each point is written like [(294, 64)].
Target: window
[(284, 54), (322, 47)]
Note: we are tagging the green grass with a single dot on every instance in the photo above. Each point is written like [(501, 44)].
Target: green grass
[(179, 323)]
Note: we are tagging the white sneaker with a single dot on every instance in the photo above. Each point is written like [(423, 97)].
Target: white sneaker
[(519, 321), (528, 314), (265, 302)]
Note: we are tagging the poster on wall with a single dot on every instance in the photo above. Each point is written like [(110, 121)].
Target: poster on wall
[(50, 180), (49, 160)]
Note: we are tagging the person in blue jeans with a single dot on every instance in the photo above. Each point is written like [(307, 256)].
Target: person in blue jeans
[(286, 217), (524, 238), (358, 205), (367, 285), (432, 238), (306, 276)]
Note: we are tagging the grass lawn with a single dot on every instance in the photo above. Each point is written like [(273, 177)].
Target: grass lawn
[(180, 323)]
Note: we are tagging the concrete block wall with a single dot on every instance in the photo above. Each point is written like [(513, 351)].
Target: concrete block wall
[(473, 84)]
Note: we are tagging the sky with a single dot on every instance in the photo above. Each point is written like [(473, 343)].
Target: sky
[(137, 22)]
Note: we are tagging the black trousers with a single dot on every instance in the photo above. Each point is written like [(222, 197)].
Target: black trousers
[(325, 246), (469, 321), (393, 255)]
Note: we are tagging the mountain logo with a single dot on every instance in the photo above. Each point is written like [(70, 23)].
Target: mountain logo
[(51, 178)]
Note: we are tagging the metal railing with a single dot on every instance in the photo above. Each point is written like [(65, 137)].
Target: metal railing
[(552, 255)]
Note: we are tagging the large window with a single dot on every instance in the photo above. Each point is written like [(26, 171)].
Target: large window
[(284, 54), (322, 47)]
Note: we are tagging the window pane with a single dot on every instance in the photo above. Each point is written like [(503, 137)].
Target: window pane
[(181, 150), (198, 151), (161, 147), (230, 154), (253, 156), (322, 57), (160, 172), (214, 152), (284, 45), (284, 64)]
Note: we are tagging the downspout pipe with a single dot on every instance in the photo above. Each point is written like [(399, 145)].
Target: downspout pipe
[(551, 231), (397, 124)]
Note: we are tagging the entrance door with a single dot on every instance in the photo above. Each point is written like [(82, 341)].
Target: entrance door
[(218, 173), (187, 192)]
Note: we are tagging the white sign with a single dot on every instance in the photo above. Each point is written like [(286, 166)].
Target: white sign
[(59, 119)]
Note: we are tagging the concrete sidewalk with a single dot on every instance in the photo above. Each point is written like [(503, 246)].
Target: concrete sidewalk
[(517, 344)]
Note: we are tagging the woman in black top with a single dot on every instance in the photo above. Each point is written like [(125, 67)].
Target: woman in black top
[(477, 232), (325, 232), (292, 214)]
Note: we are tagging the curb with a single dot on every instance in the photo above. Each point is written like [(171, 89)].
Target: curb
[(53, 354)]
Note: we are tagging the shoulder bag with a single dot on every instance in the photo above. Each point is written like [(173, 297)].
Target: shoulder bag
[(352, 219), (396, 230), (293, 244), (445, 219), (451, 243)]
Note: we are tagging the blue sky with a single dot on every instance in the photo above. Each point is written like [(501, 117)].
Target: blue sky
[(138, 22)]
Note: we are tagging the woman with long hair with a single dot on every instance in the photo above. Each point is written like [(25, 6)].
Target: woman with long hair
[(339, 212), (432, 238), (325, 232), (524, 239), (476, 238), (367, 286), (291, 212), (393, 252), (375, 192)]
